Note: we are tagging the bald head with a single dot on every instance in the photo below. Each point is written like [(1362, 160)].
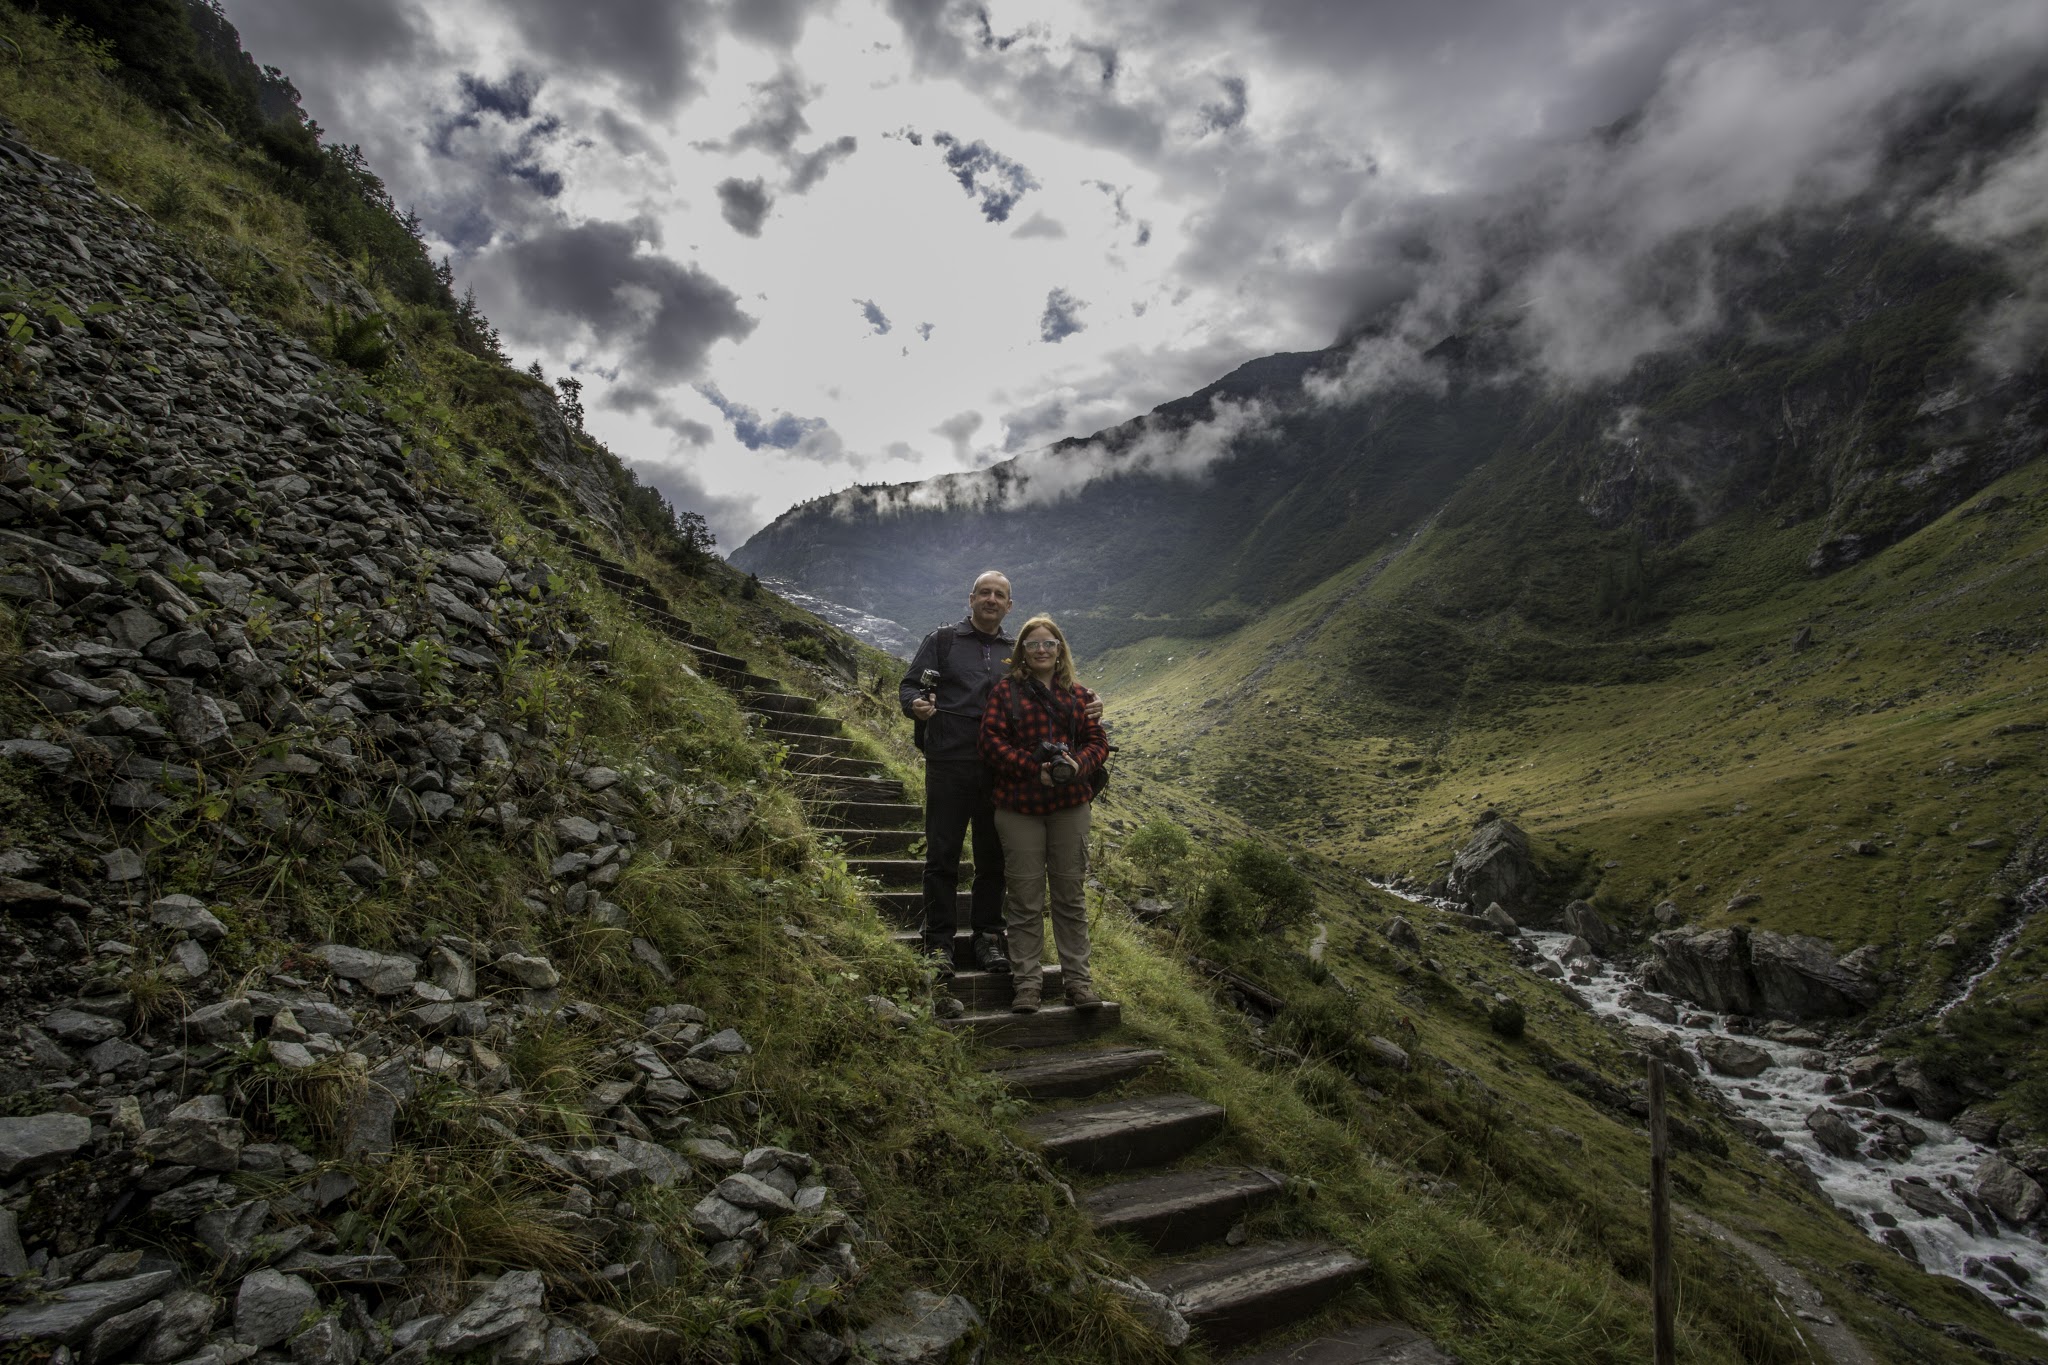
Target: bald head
[(988, 602)]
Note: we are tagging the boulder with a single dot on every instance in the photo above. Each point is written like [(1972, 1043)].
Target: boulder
[(201, 1133), (1740, 971), (269, 1305), (1834, 1134), (1928, 1093), (1500, 921), (378, 973), (2011, 1192), (1709, 967), (72, 1313), (932, 1329), (512, 1301), (1494, 866), (1402, 934), (1733, 1057), (44, 1139), (1583, 920)]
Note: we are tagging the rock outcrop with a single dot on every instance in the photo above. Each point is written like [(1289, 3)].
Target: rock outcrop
[(1494, 867), (1757, 972)]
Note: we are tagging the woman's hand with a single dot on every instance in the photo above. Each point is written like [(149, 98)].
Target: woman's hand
[(1045, 775)]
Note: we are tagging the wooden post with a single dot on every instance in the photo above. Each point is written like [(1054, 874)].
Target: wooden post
[(1663, 1304)]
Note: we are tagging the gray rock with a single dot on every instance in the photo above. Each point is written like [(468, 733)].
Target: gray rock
[(724, 1043), (535, 973), (752, 1192), (54, 758), (1500, 921), (364, 871), (1739, 971), (2011, 1193), (1387, 1052), (188, 915), (188, 1316), (660, 1166), (622, 1338), (201, 1133), (230, 1234), (1493, 867), (1834, 1134), (44, 1140), (112, 1338), (452, 972), (511, 1302), (717, 1220), (116, 1056), (222, 1024), (713, 1153), (1583, 920), (1656, 1006), (375, 1113), (1932, 1203), (79, 1028), (1733, 1057), (378, 973), (576, 832), (70, 1316), (326, 1342), (1930, 1095), (932, 1329), (1401, 934), (197, 720), (13, 1258), (270, 1304), (565, 1345)]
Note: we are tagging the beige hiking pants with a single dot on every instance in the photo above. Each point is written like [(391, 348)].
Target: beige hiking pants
[(1037, 850)]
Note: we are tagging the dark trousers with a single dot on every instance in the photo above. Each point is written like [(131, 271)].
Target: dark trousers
[(956, 798)]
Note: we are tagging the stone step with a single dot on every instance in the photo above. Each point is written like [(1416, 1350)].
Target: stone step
[(812, 744), (802, 725), (833, 765), (898, 872), (1182, 1209), (791, 703), (990, 992), (1150, 1130), (869, 814), (872, 841), (1245, 1293), (1052, 1026), (1072, 1073), (1379, 1343)]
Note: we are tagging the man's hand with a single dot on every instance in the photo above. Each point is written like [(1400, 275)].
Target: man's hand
[(1094, 706), (923, 708)]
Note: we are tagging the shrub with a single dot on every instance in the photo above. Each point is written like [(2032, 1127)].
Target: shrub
[(1284, 893), (1228, 911), (1157, 848), (363, 344), (1507, 1019)]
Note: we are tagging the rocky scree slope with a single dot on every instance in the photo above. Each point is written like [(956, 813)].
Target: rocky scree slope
[(273, 1080)]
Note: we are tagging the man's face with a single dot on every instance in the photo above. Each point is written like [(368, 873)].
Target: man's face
[(989, 603)]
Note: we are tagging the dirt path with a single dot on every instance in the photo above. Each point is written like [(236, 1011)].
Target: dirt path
[(1798, 1299)]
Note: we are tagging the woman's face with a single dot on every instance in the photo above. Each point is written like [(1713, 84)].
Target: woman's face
[(1041, 650)]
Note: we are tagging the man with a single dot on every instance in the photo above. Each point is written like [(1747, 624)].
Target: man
[(967, 657)]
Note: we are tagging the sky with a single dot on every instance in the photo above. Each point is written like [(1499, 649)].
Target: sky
[(788, 246)]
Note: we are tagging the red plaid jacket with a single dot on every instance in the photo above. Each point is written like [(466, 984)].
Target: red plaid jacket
[(1009, 750)]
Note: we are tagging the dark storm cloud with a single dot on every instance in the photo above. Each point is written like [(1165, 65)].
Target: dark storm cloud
[(987, 174), (1223, 115), (730, 519), (772, 23), (1038, 225), (808, 168), (654, 47), (784, 432), (364, 33), (1061, 317), (872, 311), (637, 398), (662, 316), (510, 99), (744, 204), (778, 118)]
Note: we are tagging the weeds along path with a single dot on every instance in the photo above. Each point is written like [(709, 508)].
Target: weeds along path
[(1144, 1156), (1799, 1299)]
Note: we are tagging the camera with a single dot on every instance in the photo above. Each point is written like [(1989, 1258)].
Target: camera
[(1056, 753), (930, 679)]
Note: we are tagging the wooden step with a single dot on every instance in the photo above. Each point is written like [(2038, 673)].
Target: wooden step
[(1052, 1026), (1182, 1209), (868, 814), (1380, 1343), (990, 992), (1150, 1130), (1072, 1073), (872, 841), (802, 725), (900, 872), (788, 703), (963, 939), (833, 765), (1257, 1289), (812, 744), (817, 787), (728, 663)]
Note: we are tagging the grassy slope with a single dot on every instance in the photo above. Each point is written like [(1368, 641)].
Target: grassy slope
[(1486, 1195)]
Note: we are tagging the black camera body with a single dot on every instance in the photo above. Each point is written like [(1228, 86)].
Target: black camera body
[(1061, 757)]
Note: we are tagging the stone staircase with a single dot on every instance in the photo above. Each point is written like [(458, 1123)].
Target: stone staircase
[(1140, 1155)]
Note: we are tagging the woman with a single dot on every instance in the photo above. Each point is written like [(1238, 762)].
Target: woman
[(1041, 798)]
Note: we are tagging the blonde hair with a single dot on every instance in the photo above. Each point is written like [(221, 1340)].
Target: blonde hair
[(1063, 665)]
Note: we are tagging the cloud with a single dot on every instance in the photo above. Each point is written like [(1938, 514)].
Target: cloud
[(511, 99), (924, 329), (630, 397), (986, 173), (1038, 225), (785, 432), (662, 316), (958, 430), (872, 311), (730, 518), (808, 168), (771, 23), (744, 204), (1222, 116), (654, 48), (778, 118), (1061, 317)]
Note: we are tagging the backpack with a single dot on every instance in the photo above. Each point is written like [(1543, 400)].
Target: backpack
[(944, 645), (1097, 779)]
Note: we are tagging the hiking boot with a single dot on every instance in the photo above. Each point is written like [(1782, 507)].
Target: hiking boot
[(1025, 1000), (941, 965), (1081, 995), (990, 954)]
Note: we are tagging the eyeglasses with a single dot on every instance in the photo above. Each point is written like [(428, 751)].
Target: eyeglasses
[(1042, 646)]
